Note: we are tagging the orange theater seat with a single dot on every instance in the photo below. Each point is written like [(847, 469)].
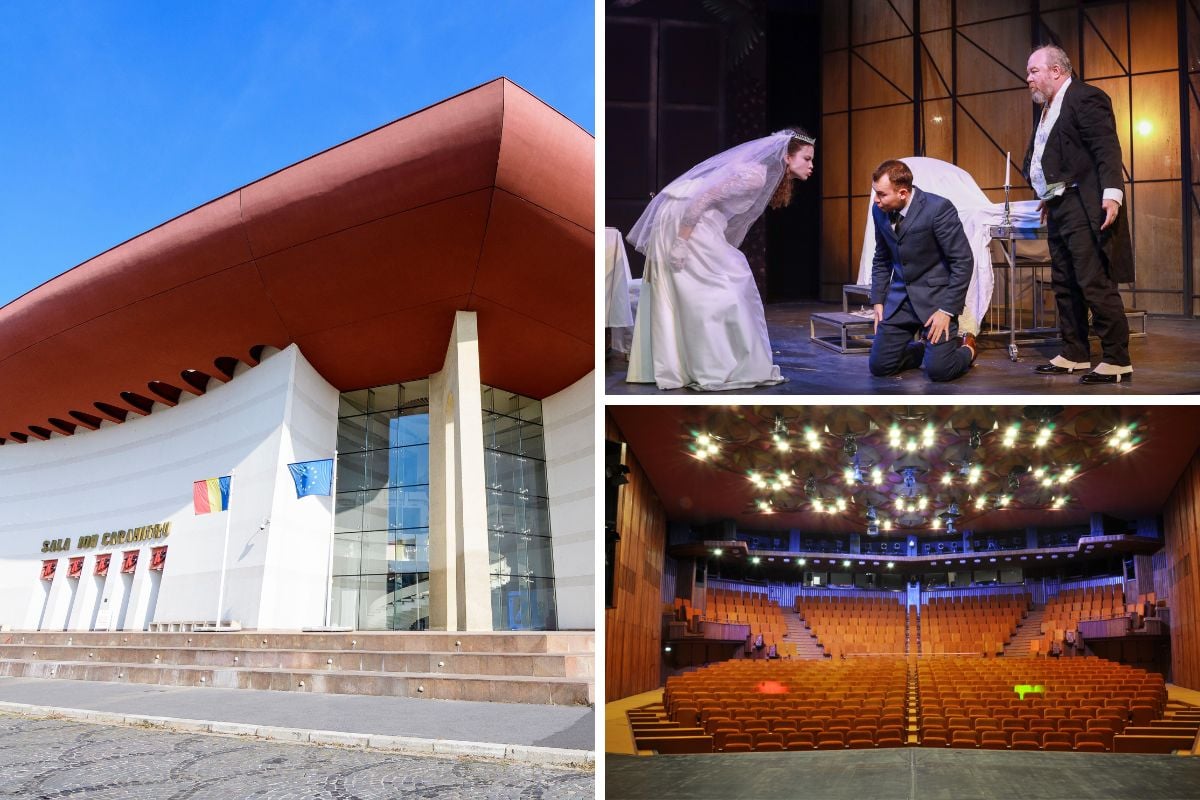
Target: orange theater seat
[(993, 740), (1056, 740), (964, 739), (1026, 740)]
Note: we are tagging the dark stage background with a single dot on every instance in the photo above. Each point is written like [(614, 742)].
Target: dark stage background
[(686, 79), (876, 79)]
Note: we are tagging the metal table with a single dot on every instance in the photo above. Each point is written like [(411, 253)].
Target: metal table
[(1007, 236)]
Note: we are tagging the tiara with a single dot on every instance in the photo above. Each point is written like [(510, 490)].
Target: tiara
[(795, 135)]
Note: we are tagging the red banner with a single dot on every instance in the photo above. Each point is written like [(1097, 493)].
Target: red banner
[(129, 561), (158, 558), (75, 568), (102, 564), (48, 568)]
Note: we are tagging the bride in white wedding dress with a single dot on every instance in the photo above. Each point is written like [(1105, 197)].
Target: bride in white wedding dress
[(700, 320)]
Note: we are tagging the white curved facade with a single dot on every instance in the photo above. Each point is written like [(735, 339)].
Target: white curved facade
[(140, 474)]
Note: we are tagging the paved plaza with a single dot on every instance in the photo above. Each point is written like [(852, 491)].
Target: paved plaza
[(58, 758)]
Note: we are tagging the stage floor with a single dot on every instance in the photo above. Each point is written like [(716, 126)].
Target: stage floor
[(1164, 362), (902, 773)]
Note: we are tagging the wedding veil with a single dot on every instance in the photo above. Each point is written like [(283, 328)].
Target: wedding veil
[(707, 177)]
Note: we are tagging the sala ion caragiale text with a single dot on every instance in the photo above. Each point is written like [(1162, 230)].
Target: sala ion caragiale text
[(157, 531)]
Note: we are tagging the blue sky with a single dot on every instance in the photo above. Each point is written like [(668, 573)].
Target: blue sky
[(118, 116)]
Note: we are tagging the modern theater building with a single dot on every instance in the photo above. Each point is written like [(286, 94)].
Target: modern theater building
[(418, 300)]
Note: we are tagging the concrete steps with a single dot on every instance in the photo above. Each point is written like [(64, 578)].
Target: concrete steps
[(801, 636), (1029, 629), (525, 667)]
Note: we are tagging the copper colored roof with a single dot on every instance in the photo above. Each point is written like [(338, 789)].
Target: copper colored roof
[(360, 255)]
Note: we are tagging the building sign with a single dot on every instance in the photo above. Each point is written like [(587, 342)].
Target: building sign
[(75, 568), (145, 533), (129, 561), (158, 558), (102, 562), (48, 569)]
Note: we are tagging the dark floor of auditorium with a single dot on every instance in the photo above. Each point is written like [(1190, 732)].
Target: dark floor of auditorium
[(1164, 362), (903, 774)]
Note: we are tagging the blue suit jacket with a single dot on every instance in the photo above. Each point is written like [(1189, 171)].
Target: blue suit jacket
[(930, 262)]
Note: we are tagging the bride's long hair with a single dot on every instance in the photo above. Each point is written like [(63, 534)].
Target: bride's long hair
[(783, 192)]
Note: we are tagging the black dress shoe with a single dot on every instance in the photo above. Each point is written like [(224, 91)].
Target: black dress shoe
[(1095, 377), (1055, 369)]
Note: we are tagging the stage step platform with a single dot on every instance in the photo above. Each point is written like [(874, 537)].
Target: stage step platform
[(841, 332), (540, 667)]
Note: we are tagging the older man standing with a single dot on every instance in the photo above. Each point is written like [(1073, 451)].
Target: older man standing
[(1074, 165)]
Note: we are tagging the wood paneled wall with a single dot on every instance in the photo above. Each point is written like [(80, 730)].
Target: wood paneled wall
[(633, 626), (1181, 530), (946, 79)]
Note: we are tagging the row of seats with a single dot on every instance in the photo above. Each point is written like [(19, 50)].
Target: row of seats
[(764, 617), (1065, 610), (855, 626), (971, 625)]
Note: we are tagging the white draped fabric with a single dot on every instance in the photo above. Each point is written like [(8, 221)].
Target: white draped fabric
[(700, 321), (977, 213)]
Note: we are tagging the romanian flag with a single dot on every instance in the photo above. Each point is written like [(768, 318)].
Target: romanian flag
[(211, 495)]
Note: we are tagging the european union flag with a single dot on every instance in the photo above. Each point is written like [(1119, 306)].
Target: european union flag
[(313, 477)]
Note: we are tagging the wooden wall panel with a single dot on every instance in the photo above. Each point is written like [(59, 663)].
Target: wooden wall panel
[(835, 26), (1156, 146), (835, 82), (970, 12), (831, 152), (1151, 30), (939, 129), (835, 247), (1061, 26), (936, 72), (633, 627), (860, 207), (1006, 118), (1157, 249), (879, 134), (882, 73), (1117, 90), (1181, 530), (992, 55), (1105, 43), (875, 20), (935, 14)]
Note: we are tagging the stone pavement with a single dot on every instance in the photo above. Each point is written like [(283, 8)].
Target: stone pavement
[(515, 731), (56, 758)]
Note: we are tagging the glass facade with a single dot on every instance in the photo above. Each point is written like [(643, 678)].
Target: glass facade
[(381, 541), (522, 561)]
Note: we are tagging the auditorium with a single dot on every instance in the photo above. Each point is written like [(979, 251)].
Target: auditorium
[(913, 601), (354, 397)]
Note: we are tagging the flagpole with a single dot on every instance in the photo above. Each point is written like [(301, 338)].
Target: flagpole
[(329, 554), (225, 552)]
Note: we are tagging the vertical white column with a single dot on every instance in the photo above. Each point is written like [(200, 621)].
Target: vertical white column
[(59, 601), (85, 597), (460, 593)]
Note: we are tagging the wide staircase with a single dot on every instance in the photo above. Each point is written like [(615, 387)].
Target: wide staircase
[(1029, 631), (805, 643), (549, 668)]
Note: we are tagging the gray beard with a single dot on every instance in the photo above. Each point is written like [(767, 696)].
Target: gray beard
[(1039, 98)]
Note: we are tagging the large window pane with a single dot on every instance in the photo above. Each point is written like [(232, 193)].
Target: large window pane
[(409, 507), (409, 466), (347, 553), (381, 551), (522, 564), (521, 555), (523, 604)]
